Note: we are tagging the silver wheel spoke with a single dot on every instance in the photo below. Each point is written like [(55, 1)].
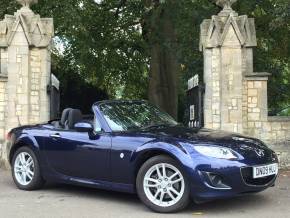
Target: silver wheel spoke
[(29, 162), (24, 168), (29, 176), (171, 195), (30, 172), (163, 170), (158, 186), (174, 191), (18, 170), (22, 158), (171, 177), (23, 175), (158, 172), (161, 197), (156, 194), (151, 180), (177, 180), (151, 185)]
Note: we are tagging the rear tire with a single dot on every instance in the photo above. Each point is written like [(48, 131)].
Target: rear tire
[(26, 170), (162, 185)]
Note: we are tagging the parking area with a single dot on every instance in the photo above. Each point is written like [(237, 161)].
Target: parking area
[(57, 201)]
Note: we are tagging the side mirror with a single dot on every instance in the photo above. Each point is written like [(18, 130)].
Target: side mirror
[(84, 127)]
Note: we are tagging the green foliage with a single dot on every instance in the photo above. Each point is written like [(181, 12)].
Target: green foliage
[(103, 43), (272, 19)]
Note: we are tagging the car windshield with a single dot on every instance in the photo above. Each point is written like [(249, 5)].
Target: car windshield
[(124, 116)]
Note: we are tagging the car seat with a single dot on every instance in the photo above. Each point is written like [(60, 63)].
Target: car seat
[(64, 117), (74, 116), (61, 123)]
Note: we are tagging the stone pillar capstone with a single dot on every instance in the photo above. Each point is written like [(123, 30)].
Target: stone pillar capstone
[(227, 41), (25, 43)]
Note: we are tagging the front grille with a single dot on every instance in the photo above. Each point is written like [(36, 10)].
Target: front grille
[(247, 174)]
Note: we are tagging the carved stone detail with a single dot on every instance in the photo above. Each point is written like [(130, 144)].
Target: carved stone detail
[(214, 31), (27, 3), (38, 31), (225, 4)]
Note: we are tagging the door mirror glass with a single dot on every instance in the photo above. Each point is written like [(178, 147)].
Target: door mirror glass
[(84, 127)]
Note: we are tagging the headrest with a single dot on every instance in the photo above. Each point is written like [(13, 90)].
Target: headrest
[(64, 116), (74, 117)]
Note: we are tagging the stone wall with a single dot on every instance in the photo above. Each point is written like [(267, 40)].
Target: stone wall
[(25, 41), (3, 98), (3, 104), (275, 131), (39, 79), (236, 97), (256, 108)]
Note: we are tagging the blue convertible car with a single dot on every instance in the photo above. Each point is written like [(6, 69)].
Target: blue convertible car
[(132, 146)]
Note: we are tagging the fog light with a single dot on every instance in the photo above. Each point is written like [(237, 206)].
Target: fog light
[(215, 180)]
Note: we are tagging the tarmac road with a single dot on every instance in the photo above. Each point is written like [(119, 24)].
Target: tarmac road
[(60, 201)]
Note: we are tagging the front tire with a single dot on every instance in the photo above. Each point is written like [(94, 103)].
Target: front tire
[(162, 186), (25, 170)]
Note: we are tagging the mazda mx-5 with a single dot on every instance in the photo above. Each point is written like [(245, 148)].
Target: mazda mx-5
[(133, 147)]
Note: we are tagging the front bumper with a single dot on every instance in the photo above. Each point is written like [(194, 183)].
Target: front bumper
[(236, 175)]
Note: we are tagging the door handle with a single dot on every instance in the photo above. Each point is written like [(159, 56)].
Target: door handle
[(56, 135)]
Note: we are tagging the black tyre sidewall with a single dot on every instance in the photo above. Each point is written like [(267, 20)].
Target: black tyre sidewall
[(37, 180), (181, 204)]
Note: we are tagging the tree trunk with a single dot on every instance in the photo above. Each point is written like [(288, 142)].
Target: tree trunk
[(164, 69)]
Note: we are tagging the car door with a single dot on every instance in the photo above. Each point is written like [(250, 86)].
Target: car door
[(79, 154)]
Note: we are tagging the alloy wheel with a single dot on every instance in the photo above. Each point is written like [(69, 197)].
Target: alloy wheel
[(24, 168), (164, 185)]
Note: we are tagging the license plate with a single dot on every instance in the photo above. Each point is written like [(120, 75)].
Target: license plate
[(263, 171)]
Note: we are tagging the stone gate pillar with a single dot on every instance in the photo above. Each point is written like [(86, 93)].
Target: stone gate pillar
[(25, 42), (227, 41)]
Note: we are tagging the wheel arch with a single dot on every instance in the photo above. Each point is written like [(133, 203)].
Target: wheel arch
[(23, 141), (146, 155), (182, 158)]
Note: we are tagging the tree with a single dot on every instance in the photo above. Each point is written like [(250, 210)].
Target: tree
[(272, 55), (149, 48), (159, 34)]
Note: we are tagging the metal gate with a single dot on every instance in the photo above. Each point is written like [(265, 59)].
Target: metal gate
[(53, 91), (195, 95)]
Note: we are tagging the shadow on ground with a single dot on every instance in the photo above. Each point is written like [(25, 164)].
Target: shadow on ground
[(255, 201), (56, 200)]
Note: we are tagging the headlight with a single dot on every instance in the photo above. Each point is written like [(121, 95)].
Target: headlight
[(216, 152)]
